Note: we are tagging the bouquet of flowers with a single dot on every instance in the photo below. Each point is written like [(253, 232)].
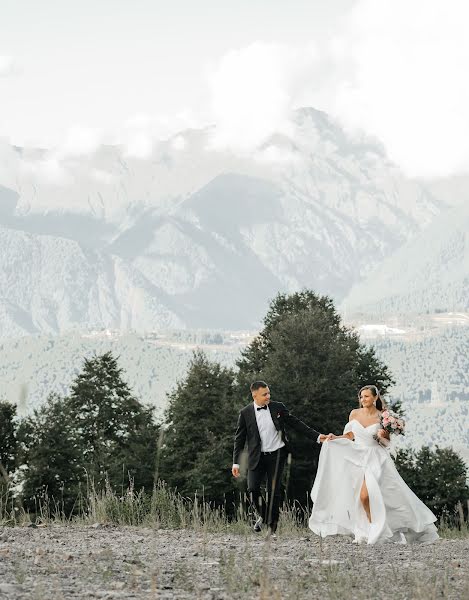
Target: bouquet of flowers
[(392, 423)]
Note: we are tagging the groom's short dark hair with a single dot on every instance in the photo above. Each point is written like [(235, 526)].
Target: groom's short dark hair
[(256, 385)]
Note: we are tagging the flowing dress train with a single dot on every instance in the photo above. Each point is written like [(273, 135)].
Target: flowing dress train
[(396, 513)]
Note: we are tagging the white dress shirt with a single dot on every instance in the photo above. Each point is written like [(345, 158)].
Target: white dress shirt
[(271, 439)]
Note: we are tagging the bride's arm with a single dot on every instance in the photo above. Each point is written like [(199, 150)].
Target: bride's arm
[(348, 435)]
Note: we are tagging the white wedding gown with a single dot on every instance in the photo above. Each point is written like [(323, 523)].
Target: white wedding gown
[(396, 513)]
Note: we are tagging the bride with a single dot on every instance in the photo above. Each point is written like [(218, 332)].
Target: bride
[(358, 491)]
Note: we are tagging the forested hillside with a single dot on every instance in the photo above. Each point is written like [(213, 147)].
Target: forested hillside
[(431, 370)]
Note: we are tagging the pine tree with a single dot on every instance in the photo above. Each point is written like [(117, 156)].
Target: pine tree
[(115, 431), (99, 434), (315, 366), (8, 441), (50, 455), (198, 442), (437, 476)]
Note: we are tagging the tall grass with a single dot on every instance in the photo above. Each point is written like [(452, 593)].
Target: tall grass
[(457, 526), (165, 508), (162, 508), (7, 505)]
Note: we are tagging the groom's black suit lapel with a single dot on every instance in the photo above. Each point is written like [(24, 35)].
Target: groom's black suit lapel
[(252, 416), (273, 413)]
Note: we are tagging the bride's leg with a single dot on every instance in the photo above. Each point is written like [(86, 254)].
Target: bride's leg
[(365, 500)]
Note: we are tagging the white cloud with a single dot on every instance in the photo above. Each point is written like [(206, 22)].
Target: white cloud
[(274, 154), (102, 176), (179, 143), (253, 91), (80, 141), (138, 144), (142, 132), (48, 169), (401, 75), (396, 70), (8, 66)]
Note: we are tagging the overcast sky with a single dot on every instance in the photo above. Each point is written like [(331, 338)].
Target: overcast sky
[(74, 73)]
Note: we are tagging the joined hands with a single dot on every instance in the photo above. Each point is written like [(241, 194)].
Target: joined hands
[(326, 438)]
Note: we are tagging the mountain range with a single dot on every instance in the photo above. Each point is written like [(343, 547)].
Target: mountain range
[(430, 272), (193, 236)]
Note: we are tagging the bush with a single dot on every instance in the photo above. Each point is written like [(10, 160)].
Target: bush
[(438, 477)]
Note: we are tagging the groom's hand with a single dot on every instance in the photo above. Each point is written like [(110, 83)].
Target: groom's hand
[(326, 438), (235, 470)]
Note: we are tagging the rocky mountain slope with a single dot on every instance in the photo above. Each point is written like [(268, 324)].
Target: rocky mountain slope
[(193, 236), (431, 271)]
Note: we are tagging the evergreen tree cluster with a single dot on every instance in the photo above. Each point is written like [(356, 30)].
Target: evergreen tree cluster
[(8, 442), (198, 435), (438, 477), (101, 435)]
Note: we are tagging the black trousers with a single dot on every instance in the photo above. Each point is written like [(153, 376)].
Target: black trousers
[(270, 467)]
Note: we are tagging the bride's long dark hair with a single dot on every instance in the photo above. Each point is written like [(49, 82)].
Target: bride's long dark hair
[(375, 392)]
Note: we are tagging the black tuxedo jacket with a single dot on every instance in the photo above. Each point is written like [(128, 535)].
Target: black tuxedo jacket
[(247, 430)]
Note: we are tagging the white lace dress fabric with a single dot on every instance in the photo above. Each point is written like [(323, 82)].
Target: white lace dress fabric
[(396, 513)]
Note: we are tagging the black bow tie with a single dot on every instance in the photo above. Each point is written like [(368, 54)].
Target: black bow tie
[(262, 407)]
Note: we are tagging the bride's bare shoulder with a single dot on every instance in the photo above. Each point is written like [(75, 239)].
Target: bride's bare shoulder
[(353, 413)]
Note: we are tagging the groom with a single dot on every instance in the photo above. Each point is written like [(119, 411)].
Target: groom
[(262, 425)]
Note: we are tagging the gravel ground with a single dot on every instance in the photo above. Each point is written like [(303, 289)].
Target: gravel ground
[(134, 562)]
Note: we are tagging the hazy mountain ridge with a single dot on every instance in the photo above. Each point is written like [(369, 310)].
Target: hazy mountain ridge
[(51, 284), (431, 271), (194, 235)]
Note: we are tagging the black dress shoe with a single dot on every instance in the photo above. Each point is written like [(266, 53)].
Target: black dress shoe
[(258, 525)]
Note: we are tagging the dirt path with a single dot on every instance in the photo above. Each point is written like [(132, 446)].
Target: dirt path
[(126, 562)]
